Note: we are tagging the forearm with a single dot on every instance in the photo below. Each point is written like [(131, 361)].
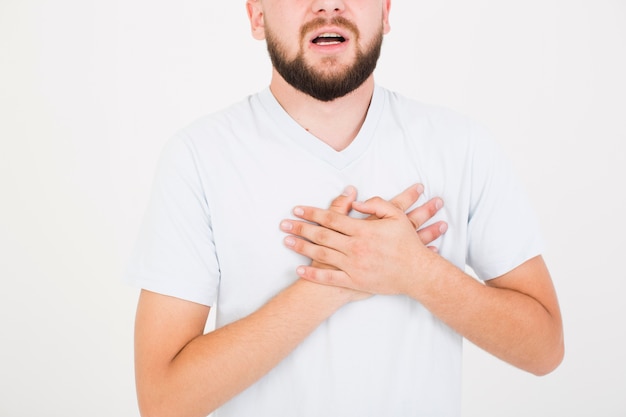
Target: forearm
[(515, 316), (508, 323), (214, 367)]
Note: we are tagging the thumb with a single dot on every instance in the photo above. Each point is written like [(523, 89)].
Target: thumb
[(377, 207)]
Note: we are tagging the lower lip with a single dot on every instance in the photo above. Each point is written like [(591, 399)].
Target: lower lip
[(329, 48)]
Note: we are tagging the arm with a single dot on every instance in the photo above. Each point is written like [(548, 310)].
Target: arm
[(515, 317), (182, 372)]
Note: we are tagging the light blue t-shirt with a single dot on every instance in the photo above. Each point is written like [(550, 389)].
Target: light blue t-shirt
[(211, 236)]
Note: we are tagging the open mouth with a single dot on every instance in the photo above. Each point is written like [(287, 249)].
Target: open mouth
[(328, 39)]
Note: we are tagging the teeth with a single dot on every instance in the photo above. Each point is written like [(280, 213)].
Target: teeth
[(329, 38), (329, 35)]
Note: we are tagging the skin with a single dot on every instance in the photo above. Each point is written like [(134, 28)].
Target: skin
[(180, 371), (515, 317), (337, 122)]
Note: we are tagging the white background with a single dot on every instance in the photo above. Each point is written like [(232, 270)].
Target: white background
[(91, 89)]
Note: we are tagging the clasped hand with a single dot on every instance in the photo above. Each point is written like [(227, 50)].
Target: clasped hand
[(385, 253)]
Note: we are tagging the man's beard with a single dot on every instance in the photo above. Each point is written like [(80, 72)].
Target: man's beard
[(324, 85)]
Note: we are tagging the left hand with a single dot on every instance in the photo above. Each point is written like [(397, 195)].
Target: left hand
[(380, 255)]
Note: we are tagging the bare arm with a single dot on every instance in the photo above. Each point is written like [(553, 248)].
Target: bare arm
[(182, 372), (515, 317)]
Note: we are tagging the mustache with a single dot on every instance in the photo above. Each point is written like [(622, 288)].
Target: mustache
[(320, 22)]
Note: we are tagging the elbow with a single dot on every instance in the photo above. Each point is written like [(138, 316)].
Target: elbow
[(549, 361), (552, 352), (148, 407), (151, 405), (166, 404)]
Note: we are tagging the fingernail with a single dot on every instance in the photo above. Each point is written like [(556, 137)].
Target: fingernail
[(443, 228), (439, 204), (289, 241), (348, 191), (298, 211), (419, 188), (286, 226), (300, 271)]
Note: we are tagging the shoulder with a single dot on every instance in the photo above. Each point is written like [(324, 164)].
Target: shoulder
[(230, 120), (217, 133), (434, 125), (421, 112)]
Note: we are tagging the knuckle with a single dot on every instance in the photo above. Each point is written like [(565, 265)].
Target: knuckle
[(330, 220), (425, 236), (324, 218), (326, 276), (321, 254), (298, 245), (320, 236), (398, 204), (336, 206), (432, 208), (405, 200), (339, 203), (322, 273), (296, 228)]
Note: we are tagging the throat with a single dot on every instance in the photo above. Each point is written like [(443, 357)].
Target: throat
[(336, 122), (338, 133)]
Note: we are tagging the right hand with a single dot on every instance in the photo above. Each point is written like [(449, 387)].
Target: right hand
[(418, 216)]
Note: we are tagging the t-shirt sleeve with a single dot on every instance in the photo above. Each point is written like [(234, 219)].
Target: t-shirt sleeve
[(503, 230), (175, 253)]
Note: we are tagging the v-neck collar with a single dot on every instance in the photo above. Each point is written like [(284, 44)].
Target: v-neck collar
[(300, 136)]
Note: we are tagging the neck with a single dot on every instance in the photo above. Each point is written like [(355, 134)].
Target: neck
[(336, 122)]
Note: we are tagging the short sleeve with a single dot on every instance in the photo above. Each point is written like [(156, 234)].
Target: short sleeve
[(503, 230), (175, 253)]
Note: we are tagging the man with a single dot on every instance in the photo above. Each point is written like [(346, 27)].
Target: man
[(356, 314)]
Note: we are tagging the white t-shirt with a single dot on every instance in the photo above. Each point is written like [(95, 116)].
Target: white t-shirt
[(211, 236)]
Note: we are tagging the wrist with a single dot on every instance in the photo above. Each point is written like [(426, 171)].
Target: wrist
[(426, 278), (329, 297)]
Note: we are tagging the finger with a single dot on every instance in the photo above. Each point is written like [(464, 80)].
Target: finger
[(316, 234), (328, 219), (425, 212), (378, 207), (343, 203), (317, 253), (431, 233), (332, 277), (408, 197)]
